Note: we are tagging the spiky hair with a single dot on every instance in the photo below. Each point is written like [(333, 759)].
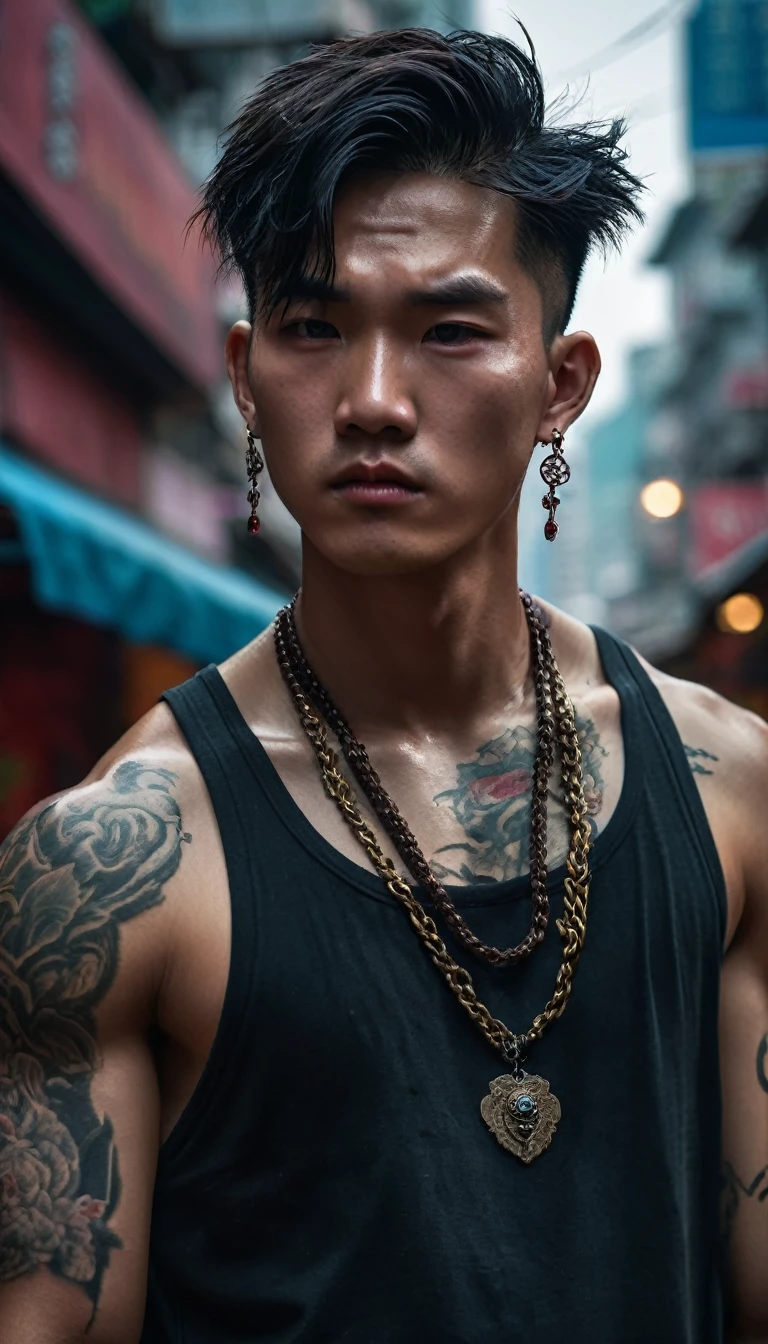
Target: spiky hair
[(466, 105)]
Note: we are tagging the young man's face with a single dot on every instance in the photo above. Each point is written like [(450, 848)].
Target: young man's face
[(398, 412)]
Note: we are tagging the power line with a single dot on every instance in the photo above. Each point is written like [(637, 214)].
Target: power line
[(634, 37)]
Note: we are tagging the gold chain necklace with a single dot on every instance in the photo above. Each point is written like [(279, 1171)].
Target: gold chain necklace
[(520, 1110), (288, 649)]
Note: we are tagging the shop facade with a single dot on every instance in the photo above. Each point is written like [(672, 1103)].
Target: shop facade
[(109, 334)]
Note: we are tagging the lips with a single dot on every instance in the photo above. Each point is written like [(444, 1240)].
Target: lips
[(375, 483), (374, 473)]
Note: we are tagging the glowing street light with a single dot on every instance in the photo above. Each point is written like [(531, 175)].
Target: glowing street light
[(740, 614), (662, 498)]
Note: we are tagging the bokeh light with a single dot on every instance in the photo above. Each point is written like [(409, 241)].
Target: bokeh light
[(740, 614), (662, 498)]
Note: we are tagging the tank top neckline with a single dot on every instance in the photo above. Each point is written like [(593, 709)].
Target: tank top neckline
[(472, 895)]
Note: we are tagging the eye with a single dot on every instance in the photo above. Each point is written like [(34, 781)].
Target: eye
[(451, 333), (312, 329)]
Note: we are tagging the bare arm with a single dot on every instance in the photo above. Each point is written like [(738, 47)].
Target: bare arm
[(81, 883), (744, 1054)]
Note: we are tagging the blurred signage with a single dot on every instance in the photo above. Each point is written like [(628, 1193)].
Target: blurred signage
[(83, 425), (192, 23), (87, 152), (746, 389), (728, 75), (724, 517)]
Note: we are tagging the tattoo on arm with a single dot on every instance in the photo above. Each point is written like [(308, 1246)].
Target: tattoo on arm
[(731, 1190), (69, 877), (492, 804), (732, 1187), (695, 757), (762, 1063)]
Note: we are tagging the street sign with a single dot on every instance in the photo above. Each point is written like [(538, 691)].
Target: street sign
[(727, 49)]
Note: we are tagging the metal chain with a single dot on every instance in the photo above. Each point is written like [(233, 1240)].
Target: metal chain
[(291, 655), (573, 925)]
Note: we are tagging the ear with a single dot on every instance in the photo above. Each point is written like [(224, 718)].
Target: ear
[(574, 366), (237, 351)]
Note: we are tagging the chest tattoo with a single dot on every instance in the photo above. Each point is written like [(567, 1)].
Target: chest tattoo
[(491, 802)]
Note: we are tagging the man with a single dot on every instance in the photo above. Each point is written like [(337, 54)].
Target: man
[(238, 1102)]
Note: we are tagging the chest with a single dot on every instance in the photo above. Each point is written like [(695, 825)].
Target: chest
[(468, 800), (339, 1032), (333, 973)]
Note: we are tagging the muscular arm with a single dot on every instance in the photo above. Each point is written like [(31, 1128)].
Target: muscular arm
[(729, 759), (78, 1095)]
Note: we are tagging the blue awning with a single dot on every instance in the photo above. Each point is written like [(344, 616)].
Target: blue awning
[(90, 559)]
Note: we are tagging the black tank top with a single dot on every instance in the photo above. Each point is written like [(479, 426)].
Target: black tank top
[(332, 1178)]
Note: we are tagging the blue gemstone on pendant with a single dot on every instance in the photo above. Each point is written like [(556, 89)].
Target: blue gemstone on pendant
[(525, 1105)]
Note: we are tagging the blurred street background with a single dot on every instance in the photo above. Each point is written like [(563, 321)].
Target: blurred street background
[(124, 558)]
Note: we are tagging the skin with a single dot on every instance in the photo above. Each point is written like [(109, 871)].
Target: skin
[(462, 417), (409, 615)]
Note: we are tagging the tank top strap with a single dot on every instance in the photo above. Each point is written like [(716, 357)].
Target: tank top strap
[(208, 721), (663, 747)]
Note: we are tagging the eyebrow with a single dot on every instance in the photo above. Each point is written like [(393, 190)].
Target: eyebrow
[(455, 290), (312, 287), (459, 290)]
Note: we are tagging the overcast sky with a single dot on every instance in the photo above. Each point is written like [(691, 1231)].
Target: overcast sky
[(638, 74)]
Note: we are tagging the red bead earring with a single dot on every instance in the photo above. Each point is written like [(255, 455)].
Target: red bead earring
[(254, 463), (554, 471)]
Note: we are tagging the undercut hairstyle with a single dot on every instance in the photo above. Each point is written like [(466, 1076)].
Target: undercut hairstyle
[(465, 106)]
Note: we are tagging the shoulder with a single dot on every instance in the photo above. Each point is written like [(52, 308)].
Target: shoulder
[(707, 721), (149, 769), (80, 866), (727, 750)]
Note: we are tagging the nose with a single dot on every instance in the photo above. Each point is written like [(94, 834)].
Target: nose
[(374, 396)]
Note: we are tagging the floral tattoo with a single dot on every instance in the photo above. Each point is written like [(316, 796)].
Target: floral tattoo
[(492, 803), (69, 876)]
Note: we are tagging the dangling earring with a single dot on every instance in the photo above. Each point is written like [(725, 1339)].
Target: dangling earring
[(554, 471), (254, 463)]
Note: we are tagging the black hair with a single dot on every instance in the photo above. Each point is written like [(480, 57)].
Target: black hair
[(465, 105)]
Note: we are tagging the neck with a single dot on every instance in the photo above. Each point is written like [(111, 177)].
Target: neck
[(425, 652)]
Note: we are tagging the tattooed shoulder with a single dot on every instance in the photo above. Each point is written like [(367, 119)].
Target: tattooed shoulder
[(70, 875), (699, 760)]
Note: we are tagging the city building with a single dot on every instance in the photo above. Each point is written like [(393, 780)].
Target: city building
[(109, 358), (677, 489), (124, 558)]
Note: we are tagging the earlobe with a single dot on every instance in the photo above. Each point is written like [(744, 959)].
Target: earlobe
[(236, 352)]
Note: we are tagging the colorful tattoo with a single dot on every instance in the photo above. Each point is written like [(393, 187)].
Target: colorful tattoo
[(70, 875), (492, 804), (695, 756)]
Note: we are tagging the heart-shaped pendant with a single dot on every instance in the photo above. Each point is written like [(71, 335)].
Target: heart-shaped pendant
[(522, 1113)]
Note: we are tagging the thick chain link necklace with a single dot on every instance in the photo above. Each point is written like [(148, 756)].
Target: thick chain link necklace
[(520, 1110), (392, 819)]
